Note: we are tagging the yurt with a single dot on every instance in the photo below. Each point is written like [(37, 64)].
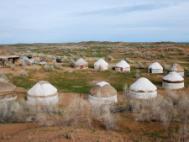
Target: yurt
[(122, 66), (26, 61), (143, 88), (177, 68), (7, 91), (103, 93), (81, 64), (101, 65), (155, 68), (42, 93), (173, 81)]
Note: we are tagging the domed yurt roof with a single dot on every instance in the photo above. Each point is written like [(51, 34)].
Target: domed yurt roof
[(122, 64), (177, 68), (103, 89), (42, 89), (102, 83), (143, 85), (173, 77), (6, 86), (80, 62), (155, 65), (101, 62)]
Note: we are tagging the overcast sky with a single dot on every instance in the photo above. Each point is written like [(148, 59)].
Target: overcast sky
[(29, 21)]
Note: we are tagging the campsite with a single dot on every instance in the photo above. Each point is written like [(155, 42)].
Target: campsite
[(94, 92)]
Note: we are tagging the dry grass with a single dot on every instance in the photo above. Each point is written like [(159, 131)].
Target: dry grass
[(170, 110), (78, 113)]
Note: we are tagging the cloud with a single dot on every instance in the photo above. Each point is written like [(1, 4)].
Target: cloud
[(127, 9), (68, 20), (123, 9)]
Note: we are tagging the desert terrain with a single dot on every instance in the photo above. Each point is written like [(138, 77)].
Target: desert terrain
[(73, 120)]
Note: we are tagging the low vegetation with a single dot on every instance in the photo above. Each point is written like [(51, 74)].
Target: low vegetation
[(162, 119), (170, 112)]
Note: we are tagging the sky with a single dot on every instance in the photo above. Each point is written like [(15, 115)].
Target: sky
[(57, 21)]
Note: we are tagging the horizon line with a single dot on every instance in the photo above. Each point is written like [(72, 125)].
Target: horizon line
[(33, 43)]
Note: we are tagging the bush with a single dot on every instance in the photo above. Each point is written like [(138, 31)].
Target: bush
[(23, 73), (48, 67), (104, 115), (77, 113), (57, 66), (159, 109), (13, 112), (166, 109), (3, 77)]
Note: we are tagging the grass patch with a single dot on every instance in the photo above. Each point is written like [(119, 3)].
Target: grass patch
[(79, 81), (70, 82), (24, 82), (154, 134)]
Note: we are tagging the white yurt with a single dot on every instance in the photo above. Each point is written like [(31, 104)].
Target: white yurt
[(7, 91), (81, 64), (101, 65), (42, 93), (177, 68), (143, 88), (122, 66), (103, 93), (173, 81), (155, 68), (25, 60)]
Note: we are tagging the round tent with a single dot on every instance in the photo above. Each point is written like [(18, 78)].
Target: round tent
[(102, 83), (101, 65), (81, 64), (155, 68), (122, 66), (26, 61), (177, 68), (43, 93), (143, 89), (173, 81), (7, 91), (102, 93)]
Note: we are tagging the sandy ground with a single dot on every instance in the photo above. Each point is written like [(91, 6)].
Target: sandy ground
[(30, 132)]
